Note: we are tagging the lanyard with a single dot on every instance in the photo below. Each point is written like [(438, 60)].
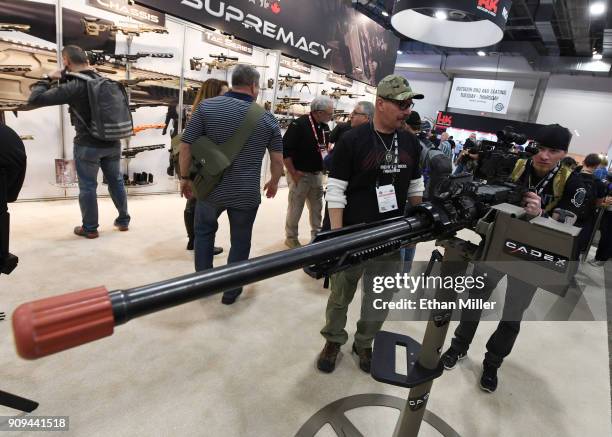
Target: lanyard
[(539, 188), (391, 155), (314, 132)]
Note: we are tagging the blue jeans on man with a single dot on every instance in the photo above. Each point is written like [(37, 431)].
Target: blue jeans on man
[(88, 161), (206, 225)]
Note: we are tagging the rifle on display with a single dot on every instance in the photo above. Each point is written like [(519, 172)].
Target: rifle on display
[(223, 62), (133, 151), (284, 122), (289, 81), (337, 93), (341, 116), (144, 127), (15, 27), (15, 68), (135, 106), (26, 137), (98, 57), (284, 104), (137, 80), (93, 27)]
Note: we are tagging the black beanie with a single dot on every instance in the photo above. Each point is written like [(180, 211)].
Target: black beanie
[(554, 136), (414, 119)]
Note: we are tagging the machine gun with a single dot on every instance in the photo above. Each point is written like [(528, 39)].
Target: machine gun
[(224, 62), (93, 27), (133, 151), (14, 27), (289, 81), (284, 104), (338, 92), (135, 81), (98, 57)]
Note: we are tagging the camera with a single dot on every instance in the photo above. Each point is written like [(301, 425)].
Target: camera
[(496, 159)]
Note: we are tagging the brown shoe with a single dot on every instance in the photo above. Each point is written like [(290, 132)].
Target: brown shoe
[(83, 233), (327, 358), (122, 228), (365, 358)]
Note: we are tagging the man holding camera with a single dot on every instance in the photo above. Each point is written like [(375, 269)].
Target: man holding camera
[(550, 186)]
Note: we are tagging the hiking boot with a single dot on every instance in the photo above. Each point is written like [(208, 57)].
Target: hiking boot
[(327, 358), (292, 243), (83, 233), (365, 358), (488, 380), (450, 358)]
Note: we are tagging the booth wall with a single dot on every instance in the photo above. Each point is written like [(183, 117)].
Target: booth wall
[(583, 104)]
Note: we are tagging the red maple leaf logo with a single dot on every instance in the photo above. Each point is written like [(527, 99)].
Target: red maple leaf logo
[(275, 7)]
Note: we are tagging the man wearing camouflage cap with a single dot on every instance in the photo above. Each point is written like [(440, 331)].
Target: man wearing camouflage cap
[(375, 171)]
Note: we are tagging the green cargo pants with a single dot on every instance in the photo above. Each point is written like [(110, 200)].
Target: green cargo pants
[(343, 286)]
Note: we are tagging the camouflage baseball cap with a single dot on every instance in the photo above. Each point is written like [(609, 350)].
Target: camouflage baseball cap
[(397, 88)]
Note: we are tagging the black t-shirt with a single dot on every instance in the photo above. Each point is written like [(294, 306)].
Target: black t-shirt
[(300, 144), (12, 162), (574, 193), (359, 159), (338, 131), (596, 190)]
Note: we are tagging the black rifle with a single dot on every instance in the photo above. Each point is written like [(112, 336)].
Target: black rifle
[(133, 151), (98, 57)]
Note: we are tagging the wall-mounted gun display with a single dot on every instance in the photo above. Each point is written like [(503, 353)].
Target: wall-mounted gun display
[(289, 81), (284, 104), (223, 62), (99, 57), (93, 27), (133, 151), (196, 64), (338, 92), (14, 27)]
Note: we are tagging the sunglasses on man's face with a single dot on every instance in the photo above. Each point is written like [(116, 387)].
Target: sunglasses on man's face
[(402, 104)]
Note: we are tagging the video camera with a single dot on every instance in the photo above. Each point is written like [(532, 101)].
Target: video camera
[(496, 159)]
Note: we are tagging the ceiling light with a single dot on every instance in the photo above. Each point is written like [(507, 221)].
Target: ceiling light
[(598, 8), (441, 15), (597, 56), (385, 14), (481, 53)]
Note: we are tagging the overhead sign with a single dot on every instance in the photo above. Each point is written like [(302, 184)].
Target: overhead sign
[(481, 95), (227, 42), (123, 7), (327, 33), (339, 79)]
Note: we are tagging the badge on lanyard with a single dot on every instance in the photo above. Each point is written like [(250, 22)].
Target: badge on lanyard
[(322, 146), (387, 200)]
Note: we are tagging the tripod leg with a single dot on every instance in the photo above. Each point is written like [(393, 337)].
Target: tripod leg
[(17, 402)]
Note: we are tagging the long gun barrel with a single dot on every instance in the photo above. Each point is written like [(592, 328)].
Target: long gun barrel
[(54, 324)]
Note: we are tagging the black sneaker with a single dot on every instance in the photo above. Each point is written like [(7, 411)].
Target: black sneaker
[(450, 358), (488, 380), (327, 358), (365, 358)]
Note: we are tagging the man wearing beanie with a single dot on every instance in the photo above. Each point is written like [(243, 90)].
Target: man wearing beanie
[(551, 186)]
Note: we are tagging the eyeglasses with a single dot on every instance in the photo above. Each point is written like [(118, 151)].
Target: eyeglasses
[(359, 113), (402, 104)]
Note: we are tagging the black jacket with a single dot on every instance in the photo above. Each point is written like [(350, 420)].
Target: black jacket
[(72, 92)]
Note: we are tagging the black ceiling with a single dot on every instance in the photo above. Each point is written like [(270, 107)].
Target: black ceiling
[(551, 27)]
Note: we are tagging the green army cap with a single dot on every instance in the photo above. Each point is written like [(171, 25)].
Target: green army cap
[(397, 88)]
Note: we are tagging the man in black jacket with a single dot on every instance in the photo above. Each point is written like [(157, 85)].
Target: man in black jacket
[(90, 154)]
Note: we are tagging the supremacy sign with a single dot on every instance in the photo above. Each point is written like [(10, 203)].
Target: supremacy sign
[(254, 23)]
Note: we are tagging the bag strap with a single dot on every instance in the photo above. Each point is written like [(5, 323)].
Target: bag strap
[(75, 113), (234, 145)]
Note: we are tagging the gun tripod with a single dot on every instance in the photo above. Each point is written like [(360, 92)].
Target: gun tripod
[(423, 360)]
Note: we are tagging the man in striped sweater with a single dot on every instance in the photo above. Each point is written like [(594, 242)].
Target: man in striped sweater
[(238, 192)]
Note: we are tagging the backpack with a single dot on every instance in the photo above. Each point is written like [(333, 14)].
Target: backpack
[(111, 118), (435, 166)]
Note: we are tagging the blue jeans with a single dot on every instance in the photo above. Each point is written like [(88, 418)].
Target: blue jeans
[(206, 225), (88, 161)]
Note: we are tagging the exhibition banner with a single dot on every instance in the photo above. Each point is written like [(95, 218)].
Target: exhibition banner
[(123, 7), (227, 42), (327, 33), (481, 95), (295, 65)]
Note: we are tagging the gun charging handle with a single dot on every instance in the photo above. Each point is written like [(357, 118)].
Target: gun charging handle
[(46, 326)]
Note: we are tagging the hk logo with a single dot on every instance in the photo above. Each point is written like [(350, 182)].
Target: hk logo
[(445, 120), (489, 6), (274, 6), (1, 317)]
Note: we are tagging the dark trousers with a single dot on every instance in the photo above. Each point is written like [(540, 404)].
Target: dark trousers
[(206, 225), (518, 298), (604, 248), (189, 215)]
